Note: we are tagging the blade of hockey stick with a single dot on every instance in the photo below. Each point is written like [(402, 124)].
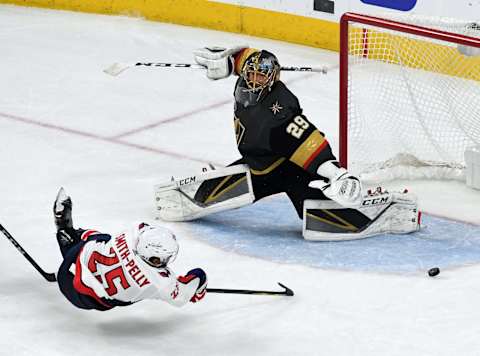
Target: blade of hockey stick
[(116, 68), (48, 276), (287, 292)]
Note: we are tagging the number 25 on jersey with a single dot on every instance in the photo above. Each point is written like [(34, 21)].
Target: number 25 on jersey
[(111, 275)]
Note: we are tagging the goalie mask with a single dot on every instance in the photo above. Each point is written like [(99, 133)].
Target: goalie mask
[(260, 71), (157, 246)]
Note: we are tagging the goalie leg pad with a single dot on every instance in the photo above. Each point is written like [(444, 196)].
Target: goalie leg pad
[(394, 213), (195, 196)]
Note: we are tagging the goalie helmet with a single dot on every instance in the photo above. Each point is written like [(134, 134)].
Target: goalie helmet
[(260, 71), (157, 246)]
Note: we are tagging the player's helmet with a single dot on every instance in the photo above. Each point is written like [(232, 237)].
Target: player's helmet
[(260, 71), (157, 246)]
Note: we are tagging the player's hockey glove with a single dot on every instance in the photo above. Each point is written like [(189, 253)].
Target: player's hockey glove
[(343, 187), (193, 276), (218, 61)]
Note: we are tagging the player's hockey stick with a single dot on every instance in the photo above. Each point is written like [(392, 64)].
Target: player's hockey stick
[(288, 292), (48, 276), (117, 68), (51, 276)]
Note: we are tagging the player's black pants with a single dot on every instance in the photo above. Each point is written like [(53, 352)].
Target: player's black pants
[(286, 178)]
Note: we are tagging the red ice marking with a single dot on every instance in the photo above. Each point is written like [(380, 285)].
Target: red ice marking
[(171, 119), (104, 139), (117, 138), (190, 113)]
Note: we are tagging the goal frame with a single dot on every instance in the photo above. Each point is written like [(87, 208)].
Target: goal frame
[(348, 17)]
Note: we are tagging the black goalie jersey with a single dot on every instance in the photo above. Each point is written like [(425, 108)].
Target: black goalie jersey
[(274, 130), (281, 147)]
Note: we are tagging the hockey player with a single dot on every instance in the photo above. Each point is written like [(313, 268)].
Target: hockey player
[(282, 151), (122, 269)]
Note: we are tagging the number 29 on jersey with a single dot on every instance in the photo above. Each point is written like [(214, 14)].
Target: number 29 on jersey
[(297, 127)]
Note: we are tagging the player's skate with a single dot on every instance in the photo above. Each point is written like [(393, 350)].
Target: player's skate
[(62, 212)]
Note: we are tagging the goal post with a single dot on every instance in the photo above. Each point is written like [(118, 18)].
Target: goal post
[(409, 92)]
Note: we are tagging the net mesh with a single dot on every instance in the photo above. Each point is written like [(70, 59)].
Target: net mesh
[(412, 100)]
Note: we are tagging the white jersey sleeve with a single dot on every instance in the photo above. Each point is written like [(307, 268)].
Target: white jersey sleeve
[(112, 270)]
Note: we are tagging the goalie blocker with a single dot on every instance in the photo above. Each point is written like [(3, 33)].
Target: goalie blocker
[(182, 200)]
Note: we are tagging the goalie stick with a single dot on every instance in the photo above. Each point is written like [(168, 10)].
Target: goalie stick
[(48, 276), (118, 68)]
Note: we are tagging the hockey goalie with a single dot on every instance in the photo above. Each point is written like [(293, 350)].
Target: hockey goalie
[(282, 152)]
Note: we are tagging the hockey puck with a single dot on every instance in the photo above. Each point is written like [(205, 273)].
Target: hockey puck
[(432, 272)]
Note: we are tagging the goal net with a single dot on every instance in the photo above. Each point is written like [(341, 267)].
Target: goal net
[(409, 95)]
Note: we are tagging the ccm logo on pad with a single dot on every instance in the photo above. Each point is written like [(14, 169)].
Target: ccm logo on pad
[(375, 201), (186, 181), (402, 5)]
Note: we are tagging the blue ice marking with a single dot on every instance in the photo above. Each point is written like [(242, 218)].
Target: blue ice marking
[(271, 230)]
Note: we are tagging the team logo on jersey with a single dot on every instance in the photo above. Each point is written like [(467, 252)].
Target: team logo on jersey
[(276, 108), (239, 130)]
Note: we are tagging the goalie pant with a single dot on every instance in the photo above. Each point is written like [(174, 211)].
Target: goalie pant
[(109, 274)]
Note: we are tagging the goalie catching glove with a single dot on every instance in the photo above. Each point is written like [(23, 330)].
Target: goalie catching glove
[(343, 187), (197, 277), (218, 61)]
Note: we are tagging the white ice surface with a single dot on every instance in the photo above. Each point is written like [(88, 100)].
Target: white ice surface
[(63, 122)]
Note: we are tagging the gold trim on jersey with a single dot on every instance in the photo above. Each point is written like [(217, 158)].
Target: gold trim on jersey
[(240, 60), (305, 151), (239, 130), (341, 223), (214, 195), (269, 168)]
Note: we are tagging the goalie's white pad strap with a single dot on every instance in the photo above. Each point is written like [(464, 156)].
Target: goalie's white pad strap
[(394, 213), (174, 199)]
